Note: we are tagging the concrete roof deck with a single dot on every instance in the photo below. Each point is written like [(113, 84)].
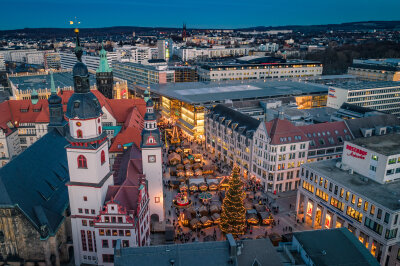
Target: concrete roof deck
[(365, 85), (208, 92), (385, 144), (387, 195)]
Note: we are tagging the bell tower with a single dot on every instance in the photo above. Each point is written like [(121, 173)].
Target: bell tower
[(104, 76), (152, 162), (88, 163)]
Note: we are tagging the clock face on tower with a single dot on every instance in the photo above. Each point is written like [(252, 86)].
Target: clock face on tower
[(151, 158)]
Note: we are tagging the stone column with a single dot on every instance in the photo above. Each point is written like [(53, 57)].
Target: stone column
[(298, 202), (323, 218), (334, 219), (314, 211)]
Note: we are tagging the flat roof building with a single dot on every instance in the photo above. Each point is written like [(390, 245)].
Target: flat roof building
[(186, 101), (382, 96), (360, 192), (376, 69), (257, 67)]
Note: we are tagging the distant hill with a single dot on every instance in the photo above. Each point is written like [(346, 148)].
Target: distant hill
[(118, 30)]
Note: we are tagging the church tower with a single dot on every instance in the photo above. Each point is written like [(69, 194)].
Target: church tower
[(152, 162), (104, 76), (56, 112), (88, 163)]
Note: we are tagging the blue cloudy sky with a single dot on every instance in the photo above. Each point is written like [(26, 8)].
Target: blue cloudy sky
[(196, 13)]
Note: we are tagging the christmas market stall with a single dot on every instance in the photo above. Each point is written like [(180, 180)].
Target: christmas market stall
[(223, 182), (178, 150), (180, 167), (216, 218), (195, 223), (189, 172), (198, 158), (203, 210), (214, 208), (196, 166), (183, 187), (174, 158), (266, 218), (193, 187), (180, 173), (198, 172), (203, 186), (206, 221), (212, 184), (208, 169), (251, 217), (185, 217), (194, 183), (186, 161)]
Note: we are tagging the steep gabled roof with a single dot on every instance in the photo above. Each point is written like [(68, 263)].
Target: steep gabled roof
[(34, 182), (329, 134), (282, 131)]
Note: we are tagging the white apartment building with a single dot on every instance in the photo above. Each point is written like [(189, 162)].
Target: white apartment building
[(383, 96), (360, 192), (279, 149), (9, 143), (68, 60), (135, 54), (269, 47), (229, 135), (191, 53), (244, 71), (35, 58), (2, 62)]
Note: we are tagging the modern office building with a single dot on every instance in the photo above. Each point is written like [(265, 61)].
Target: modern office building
[(142, 74), (164, 48), (185, 73), (186, 101), (360, 192), (256, 67), (52, 60), (382, 96), (376, 69), (35, 58)]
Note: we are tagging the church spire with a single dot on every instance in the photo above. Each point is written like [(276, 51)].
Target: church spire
[(103, 66), (52, 86)]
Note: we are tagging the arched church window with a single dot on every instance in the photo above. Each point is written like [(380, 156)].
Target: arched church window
[(103, 157), (79, 134), (82, 163)]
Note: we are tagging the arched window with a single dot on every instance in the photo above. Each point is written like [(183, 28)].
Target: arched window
[(79, 134), (82, 163), (99, 130), (103, 157)]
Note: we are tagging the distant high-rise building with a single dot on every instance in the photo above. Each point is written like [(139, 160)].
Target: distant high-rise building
[(2, 62), (184, 32), (164, 49), (104, 76)]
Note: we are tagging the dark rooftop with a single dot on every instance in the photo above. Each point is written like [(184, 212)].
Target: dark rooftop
[(364, 85), (209, 92), (355, 125), (334, 247), (385, 144)]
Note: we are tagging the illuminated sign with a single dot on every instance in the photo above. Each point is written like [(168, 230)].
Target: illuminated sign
[(355, 152)]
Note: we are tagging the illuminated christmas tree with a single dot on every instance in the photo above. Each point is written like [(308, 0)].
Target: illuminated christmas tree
[(233, 216)]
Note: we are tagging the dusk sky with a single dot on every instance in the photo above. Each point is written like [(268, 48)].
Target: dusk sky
[(18, 14)]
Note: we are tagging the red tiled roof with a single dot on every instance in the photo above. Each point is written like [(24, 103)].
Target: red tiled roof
[(326, 134), (283, 132), (38, 113), (128, 135)]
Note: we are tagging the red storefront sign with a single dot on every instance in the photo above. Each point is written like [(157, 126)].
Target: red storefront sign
[(356, 152)]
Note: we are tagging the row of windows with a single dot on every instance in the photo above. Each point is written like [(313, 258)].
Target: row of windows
[(105, 242), (108, 232)]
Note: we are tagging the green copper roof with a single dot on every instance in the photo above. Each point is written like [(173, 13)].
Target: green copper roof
[(146, 95), (34, 97), (103, 66), (52, 86)]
